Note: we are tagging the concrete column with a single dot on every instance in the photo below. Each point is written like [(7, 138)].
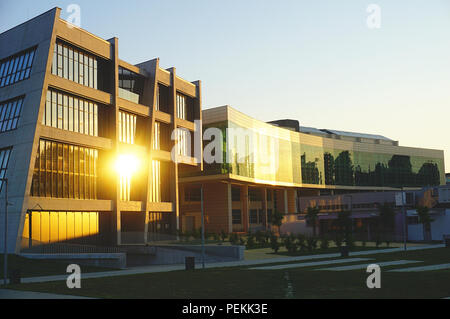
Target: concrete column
[(285, 194), (245, 204), (264, 205), (230, 208), (116, 223), (174, 171)]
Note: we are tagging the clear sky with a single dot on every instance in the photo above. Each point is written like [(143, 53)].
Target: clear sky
[(315, 61)]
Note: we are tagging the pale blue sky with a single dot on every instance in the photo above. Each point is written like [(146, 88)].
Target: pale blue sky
[(315, 61)]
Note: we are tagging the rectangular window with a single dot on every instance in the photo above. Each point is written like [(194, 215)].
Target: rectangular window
[(69, 171), (156, 182), (181, 107), (253, 216), (75, 65), (157, 136), (9, 114), (235, 194), (67, 112), (4, 159), (17, 67), (183, 143), (127, 127), (236, 217)]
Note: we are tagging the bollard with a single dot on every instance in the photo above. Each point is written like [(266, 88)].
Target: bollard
[(190, 263), (15, 277), (344, 251)]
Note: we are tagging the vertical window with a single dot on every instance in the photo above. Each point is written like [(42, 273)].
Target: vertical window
[(74, 65), (67, 112), (10, 113), (127, 127), (16, 68), (69, 172), (157, 136), (156, 181), (181, 107), (4, 158)]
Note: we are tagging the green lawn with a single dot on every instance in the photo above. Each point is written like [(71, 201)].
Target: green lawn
[(240, 282), (33, 267)]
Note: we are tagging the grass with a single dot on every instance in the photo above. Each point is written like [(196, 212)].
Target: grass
[(33, 267), (240, 282)]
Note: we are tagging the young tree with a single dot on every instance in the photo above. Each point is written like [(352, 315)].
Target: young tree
[(312, 215), (425, 219), (277, 219), (386, 221), (345, 224)]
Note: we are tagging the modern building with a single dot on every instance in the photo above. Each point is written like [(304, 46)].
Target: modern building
[(294, 162), (86, 138)]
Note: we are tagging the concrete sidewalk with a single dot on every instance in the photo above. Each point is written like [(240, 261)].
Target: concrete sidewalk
[(242, 263), (18, 294)]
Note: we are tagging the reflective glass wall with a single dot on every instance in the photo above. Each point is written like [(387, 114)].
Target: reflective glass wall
[(289, 158)]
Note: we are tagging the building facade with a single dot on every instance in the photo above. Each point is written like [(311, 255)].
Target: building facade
[(267, 167), (86, 138)]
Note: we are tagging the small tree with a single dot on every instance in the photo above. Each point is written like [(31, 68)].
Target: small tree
[(386, 221), (301, 240), (312, 215), (274, 244), (425, 219), (311, 243), (324, 243), (345, 224), (276, 219), (234, 239), (223, 235), (251, 241)]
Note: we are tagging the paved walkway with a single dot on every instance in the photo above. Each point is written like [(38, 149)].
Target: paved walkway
[(17, 294), (364, 266), (423, 268), (167, 268), (311, 264)]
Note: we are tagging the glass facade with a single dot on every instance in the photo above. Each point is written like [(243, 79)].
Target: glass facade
[(131, 81), (183, 142), (4, 159), (65, 171), (157, 136), (156, 182), (16, 68), (324, 166), (75, 65), (53, 227), (127, 127), (288, 158), (162, 98), (70, 113), (10, 113), (181, 106)]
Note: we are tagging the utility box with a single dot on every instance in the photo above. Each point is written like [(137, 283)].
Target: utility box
[(190, 263), (344, 251), (15, 276), (447, 241)]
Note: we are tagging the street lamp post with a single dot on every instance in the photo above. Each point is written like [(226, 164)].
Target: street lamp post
[(404, 218), (351, 209), (203, 228), (5, 252)]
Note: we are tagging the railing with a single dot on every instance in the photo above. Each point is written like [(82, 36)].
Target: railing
[(130, 96), (63, 248)]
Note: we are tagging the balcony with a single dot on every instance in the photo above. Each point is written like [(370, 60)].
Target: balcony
[(129, 96)]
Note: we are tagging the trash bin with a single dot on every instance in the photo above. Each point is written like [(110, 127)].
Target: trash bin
[(447, 241), (14, 276), (190, 263), (344, 251)]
